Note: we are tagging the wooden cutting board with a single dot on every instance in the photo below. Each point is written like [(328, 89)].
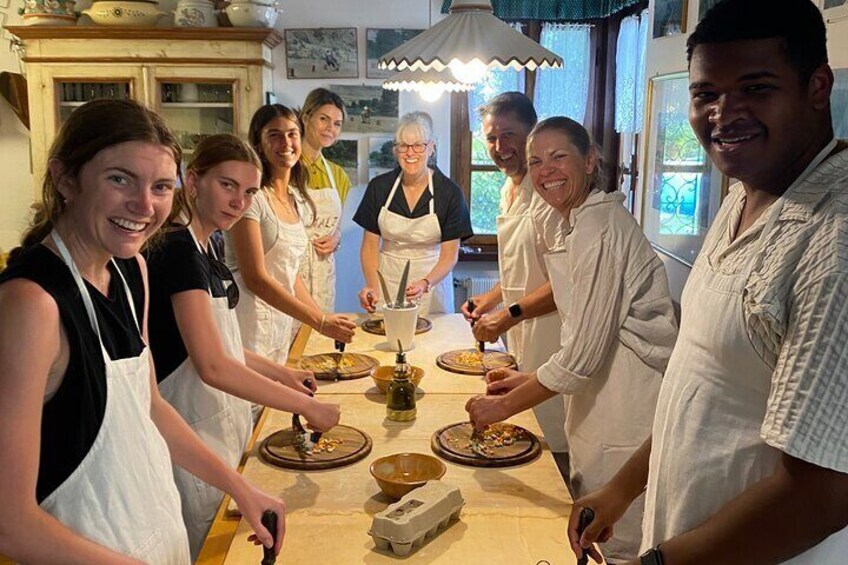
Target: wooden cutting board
[(278, 449), (452, 361), (356, 365), (453, 443), (377, 326)]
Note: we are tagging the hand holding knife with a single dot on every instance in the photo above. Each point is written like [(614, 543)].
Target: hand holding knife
[(269, 520), (340, 347), (481, 345), (586, 517)]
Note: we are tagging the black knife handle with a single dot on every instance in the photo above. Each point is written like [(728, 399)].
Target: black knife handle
[(340, 346), (269, 520), (586, 517), (307, 382)]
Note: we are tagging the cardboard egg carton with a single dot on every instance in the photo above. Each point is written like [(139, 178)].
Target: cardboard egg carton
[(420, 514)]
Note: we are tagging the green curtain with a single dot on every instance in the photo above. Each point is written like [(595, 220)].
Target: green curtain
[(552, 10)]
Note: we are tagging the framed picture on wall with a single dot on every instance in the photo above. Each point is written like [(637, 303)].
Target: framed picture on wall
[(345, 153), (682, 191), (378, 42), (669, 17), (369, 109), (322, 53), (381, 156)]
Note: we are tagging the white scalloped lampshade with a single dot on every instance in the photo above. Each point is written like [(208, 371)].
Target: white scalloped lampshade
[(415, 80), (470, 32)]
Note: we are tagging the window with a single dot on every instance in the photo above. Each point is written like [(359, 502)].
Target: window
[(683, 191), (554, 92)]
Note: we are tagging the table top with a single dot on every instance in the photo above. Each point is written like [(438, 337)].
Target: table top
[(514, 515)]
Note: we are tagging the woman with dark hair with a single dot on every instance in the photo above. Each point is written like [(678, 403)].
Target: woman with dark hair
[(618, 325), (323, 114), (265, 248), (201, 365), (88, 442)]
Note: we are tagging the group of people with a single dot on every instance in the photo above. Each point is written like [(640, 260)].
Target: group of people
[(724, 441)]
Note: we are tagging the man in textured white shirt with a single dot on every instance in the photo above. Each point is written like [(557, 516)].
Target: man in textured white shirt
[(526, 226), (748, 461)]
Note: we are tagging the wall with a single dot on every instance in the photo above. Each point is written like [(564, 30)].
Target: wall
[(668, 55)]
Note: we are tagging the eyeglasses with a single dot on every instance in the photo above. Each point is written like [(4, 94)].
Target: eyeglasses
[(225, 274), (416, 147)]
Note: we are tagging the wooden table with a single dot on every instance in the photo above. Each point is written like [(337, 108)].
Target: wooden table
[(514, 515)]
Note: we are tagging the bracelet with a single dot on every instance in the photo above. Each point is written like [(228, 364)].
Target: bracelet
[(321, 327), (426, 280)]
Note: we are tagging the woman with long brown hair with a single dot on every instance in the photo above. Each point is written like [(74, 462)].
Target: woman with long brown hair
[(266, 246), (87, 442)]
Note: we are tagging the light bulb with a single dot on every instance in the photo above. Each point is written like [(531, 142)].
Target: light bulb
[(471, 72), (430, 92)]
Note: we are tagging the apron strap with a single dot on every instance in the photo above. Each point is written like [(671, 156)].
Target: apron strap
[(397, 183), (329, 172)]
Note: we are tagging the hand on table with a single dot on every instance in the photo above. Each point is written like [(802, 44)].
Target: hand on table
[(415, 290), (609, 506), (252, 502), (490, 327), (368, 299), (338, 327), (321, 416), (501, 381), (327, 244)]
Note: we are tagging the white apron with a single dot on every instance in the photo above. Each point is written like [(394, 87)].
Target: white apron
[(264, 329), (706, 447), (224, 422), (418, 240), (607, 422), (319, 273), (122, 495), (533, 341)]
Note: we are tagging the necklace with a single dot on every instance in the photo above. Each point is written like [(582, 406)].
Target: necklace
[(286, 204)]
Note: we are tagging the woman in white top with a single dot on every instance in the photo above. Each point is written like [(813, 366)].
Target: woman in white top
[(266, 246), (618, 325), (202, 367), (323, 114), (87, 442)]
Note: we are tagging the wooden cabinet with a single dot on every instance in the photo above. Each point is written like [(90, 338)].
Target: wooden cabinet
[(201, 80)]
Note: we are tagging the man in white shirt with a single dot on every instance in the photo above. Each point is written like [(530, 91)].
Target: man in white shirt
[(525, 228), (748, 459)]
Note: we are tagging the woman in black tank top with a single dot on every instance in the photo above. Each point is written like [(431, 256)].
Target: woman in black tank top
[(75, 383)]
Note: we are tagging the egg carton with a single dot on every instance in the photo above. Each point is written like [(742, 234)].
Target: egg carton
[(421, 514)]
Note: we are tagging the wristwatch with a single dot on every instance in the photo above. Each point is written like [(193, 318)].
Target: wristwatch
[(515, 310), (651, 557), (426, 280)]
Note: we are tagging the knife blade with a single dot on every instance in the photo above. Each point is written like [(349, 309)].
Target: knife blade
[(586, 517), (340, 347), (401, 294), (384, 287), (269, 520)]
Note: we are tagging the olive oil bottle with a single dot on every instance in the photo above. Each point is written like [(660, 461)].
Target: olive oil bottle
[(400, 395)]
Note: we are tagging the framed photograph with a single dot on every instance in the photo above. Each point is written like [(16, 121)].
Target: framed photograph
[(369, 109), (378, 42), (322, 53), (835, 10), (669, 17), (704, 6), (682, 191), (345, 153), (381, 156)]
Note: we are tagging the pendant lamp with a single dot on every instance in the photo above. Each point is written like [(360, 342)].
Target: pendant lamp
[(428, 84), (470, 41)]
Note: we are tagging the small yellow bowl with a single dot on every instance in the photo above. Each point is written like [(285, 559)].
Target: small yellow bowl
[(400, 473), (382, 376)]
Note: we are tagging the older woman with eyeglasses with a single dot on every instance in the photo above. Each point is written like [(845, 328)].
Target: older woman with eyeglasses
[(202, 367), (413, 213)]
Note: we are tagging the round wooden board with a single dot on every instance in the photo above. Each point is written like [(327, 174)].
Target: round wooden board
[(323, 365), (451, 443), (278, 449), (377, 327), (492, 360)]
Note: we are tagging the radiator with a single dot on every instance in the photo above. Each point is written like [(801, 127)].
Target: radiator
[(478, 285)]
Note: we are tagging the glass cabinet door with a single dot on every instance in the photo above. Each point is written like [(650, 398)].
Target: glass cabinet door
[(74, 93), (194, 110)]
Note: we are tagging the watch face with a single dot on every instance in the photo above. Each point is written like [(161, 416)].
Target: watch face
[(515, 310)]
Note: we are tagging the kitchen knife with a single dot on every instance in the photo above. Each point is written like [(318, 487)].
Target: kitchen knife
[(586, 517), (401, 295), (340, 347), (304, 440), (269, 520), (481, 345), (384, 287)]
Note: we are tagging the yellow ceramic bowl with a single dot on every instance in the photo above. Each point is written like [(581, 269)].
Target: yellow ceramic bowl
[(400, 473), (382, 376)]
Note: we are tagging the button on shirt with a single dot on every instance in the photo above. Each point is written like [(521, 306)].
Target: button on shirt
[(794, 309)]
